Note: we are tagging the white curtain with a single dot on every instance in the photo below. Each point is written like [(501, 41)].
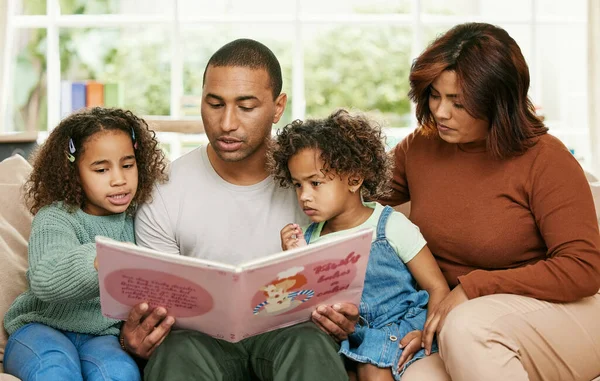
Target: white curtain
[(594, 82)]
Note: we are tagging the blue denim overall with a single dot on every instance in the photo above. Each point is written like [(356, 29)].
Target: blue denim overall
[(390, 306)]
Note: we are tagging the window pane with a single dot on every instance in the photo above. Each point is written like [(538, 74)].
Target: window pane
[(31, 7), (522, 36), (563, 76), (191, 8), (197, 49), (29, 100), (431, 32), (335, 7), (362, 68), (492, 9), (514, 10), (91, 7), (563, 9), (136, 59), (456, 7)]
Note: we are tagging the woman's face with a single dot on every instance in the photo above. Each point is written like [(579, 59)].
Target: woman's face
[(453, 122)]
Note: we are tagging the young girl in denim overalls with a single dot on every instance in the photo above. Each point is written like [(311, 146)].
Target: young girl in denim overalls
[(333, 163)]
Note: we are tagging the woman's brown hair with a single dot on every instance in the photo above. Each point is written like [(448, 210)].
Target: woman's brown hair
[(55, 177), (494, 78)]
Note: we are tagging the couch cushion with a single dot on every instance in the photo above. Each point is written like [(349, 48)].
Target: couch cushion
[(15, 224)]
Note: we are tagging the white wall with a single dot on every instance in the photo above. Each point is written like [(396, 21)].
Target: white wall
[(3, 5)]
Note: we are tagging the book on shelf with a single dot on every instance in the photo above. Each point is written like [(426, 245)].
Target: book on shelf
[(66, 98), (78, 96), (81, 94), (94, 94), (113, 95), (233, 302)]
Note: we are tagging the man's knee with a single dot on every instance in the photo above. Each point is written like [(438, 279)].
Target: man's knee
[(186, 343), (304, 352), (188, 354), (307, 337)]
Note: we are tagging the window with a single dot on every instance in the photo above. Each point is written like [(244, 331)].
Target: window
[(335, 53)]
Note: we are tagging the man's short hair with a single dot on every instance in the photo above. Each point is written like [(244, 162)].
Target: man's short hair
[(248, 53)]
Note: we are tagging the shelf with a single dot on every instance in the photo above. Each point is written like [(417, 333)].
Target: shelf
[(19, 137), (184, 126)]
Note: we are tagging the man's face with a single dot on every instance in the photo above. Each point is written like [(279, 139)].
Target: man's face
[(238, 111)]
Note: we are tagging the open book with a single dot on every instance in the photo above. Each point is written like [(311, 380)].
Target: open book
[(233, 302)]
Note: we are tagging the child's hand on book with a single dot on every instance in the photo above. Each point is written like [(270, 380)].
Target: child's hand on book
[(292, 237), (411, 344)]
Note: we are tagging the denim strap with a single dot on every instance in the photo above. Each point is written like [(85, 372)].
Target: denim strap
[(387, 210), (309, 231)]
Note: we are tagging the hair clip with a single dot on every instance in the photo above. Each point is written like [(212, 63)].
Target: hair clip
[(135, 144), (70, 156)]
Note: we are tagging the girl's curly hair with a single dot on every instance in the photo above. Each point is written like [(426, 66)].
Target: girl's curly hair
[(55, 178), (350, 145)]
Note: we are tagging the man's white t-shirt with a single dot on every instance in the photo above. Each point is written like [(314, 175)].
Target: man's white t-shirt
[(198, 214)]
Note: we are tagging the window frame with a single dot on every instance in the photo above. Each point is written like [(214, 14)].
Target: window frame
[(416, 19)]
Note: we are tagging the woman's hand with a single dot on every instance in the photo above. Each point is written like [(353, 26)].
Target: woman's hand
[(410, 344), (292, 237), (337, 321), (437, 316), (145, 330)]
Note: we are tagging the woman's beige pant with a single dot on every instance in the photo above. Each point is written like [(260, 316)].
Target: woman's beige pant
[(510, 337)]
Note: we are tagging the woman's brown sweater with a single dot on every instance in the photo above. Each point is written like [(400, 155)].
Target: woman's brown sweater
[(524, 225)]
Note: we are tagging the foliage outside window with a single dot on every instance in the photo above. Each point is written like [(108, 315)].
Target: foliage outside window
[(363, 68), (335, 53)]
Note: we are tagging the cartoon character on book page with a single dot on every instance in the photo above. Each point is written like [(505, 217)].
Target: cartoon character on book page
[(284, 293), (301, 287)]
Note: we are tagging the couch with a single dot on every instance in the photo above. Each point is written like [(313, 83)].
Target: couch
[(15, 222)]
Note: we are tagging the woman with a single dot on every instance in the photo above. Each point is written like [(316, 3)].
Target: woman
[(507, 212)]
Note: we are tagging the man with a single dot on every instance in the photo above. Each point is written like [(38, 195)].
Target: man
[(221, 204)]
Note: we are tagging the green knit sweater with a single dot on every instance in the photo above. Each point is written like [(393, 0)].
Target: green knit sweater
[(63, 283)]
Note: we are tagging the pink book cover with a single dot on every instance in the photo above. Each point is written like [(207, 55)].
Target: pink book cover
[(233, 302)]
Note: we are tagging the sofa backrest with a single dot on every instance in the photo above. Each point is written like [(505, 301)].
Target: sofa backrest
[(596, 193), (15, 223)]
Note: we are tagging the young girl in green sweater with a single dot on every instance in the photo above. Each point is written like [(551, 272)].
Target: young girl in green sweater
[(89, 176)]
